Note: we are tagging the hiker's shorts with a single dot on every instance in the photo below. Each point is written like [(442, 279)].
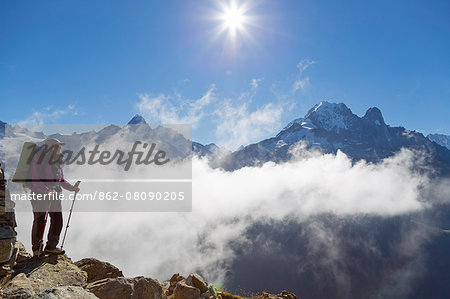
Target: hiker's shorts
[(46, 205)]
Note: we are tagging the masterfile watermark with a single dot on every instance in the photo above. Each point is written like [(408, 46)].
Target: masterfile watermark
[(122, 168), (104, 157)]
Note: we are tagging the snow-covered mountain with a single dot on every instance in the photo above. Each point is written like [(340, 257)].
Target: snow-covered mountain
[(440, 139), (331, 127)]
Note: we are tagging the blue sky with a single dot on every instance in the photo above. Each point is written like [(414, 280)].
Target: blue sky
[(104, 61)]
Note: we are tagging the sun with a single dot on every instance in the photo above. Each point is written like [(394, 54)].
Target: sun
[(233, 17), (234, 23)]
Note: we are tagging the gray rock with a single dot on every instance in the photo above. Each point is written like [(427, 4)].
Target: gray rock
[(19, 287), (97, 270), (36, 276), (126, 288), (197, 281), (22, 255), (184, 291), (66, 292)]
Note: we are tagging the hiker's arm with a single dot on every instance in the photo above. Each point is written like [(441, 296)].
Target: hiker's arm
[(66, 185)]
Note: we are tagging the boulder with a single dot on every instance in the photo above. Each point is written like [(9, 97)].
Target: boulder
[(35, 276), (176, 278), (197, 281), (22, 254), (173, 283), (184, 291), (126, 288), (66, 292), (19, 287), (97, 270)]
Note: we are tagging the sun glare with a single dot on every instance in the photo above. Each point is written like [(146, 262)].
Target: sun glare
[(233, 18), (234, 23)]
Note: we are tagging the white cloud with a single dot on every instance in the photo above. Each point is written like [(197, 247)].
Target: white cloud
[(225, 204), (255, 83), (236, 122), (303, 82), (174, 110), (48, 115), (239, 126)]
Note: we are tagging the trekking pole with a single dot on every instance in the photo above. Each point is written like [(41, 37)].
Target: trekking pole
[(41, 246), (70, 213)]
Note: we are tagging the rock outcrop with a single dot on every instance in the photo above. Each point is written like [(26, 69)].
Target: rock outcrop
[(185, 291), (71, 292), (58, 277), (97, 270), (121, 288), (34, 276), (197, 281)]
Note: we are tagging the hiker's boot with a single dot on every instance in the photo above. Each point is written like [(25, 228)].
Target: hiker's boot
[(39, 252), (55, 250)]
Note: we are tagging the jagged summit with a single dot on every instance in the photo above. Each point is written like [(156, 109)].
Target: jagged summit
[(335, 117), (137, 120), (331, 116), (328, 106), (326, 115), (374, 115)]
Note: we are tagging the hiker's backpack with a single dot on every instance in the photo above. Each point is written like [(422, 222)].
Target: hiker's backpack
[(23, 169)]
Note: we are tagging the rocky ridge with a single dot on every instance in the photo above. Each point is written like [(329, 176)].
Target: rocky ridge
[(58, 277)]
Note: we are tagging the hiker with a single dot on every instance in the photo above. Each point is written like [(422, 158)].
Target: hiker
[(47, 180), (8, 252)]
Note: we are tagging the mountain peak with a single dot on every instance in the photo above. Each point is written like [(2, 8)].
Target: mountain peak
[(374, 115), (325, 105), (330, 116), (137, 120), (326, 115)]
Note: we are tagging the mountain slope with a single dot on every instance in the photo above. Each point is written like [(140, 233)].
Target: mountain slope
[(440, 139)]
